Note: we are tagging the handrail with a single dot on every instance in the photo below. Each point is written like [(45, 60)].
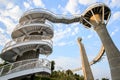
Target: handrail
[(18, 66), (41, 10), (32, 37), (30, 22), (35, 64), (93, 6), (53, 17), (12, 43)]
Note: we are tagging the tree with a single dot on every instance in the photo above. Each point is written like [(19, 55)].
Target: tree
[(69, 72), (52, 65)]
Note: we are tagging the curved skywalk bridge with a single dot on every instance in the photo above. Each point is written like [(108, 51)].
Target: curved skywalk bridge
[(25, 67), (44, 14), (95, 60)]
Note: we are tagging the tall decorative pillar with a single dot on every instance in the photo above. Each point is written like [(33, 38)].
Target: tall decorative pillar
[(85, 63)]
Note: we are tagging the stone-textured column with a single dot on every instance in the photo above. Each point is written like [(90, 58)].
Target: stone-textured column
[(85, 63), (112, 52)]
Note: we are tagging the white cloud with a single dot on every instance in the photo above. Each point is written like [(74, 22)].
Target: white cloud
[(89, 36), (67, 62), (8, 23), (26, 4), (9, 5), (116, 15), (114, 31), (1, 30), (87, 2), (60, 43), (115, 3), (107, 2), (61, 33), (3, 2), (38, 3), (72, 6), (3, 39), (9, 16), (76, 30), (14, 12)]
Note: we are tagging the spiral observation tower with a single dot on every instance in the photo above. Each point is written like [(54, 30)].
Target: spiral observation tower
[(31, 37)]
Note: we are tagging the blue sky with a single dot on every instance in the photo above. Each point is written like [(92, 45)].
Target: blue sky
[(65, 48)]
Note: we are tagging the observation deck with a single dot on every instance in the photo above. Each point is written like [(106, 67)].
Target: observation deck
[(33, 27), (96, 13), (14, 49), (25, 67)]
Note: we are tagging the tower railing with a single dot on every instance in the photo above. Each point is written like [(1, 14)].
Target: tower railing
[(33, 37), (48, 15), (24, 65), (44, 11), (12, 43), (31, 22)]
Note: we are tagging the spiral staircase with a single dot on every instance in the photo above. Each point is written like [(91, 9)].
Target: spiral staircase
[(30, 38)]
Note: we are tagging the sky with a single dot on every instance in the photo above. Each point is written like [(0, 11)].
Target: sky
[(66, 53)]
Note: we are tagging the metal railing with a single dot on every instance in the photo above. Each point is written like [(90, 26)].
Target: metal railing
[(47, 12), (12, 43), (24, 65), (32, 37), (48, 15), (32, 22)]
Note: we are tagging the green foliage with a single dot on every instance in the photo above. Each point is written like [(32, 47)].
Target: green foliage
[(52, 65), (105, 79), (69, 72), (4, 63), (62, 75), (42, 78)]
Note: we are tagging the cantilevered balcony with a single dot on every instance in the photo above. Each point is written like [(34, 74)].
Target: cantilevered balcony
[(14, 49), (25, 67), (33, 27)]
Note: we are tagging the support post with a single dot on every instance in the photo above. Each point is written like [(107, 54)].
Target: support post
[(112, 51), (85, 63)]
